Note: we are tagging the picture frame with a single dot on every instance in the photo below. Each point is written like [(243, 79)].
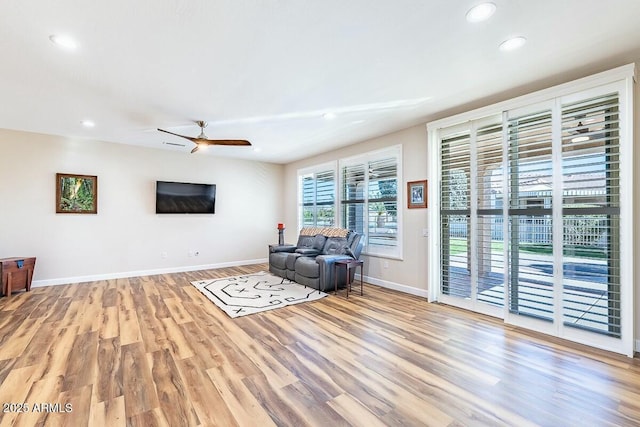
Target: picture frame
[(76, 194), (417, 194)]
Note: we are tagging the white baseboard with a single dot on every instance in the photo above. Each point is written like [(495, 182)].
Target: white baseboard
[(122, 275), (395, 286)]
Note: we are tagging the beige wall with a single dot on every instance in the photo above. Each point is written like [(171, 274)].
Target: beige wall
[(410, 273), (126, 236)]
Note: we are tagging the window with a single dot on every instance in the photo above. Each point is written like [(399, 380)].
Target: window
[(370, 199), (317, 196)]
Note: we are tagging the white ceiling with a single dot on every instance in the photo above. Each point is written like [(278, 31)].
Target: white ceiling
[(268, 70)]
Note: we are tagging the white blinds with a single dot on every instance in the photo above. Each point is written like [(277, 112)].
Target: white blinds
[(317, 199), (489, 234), (353, 197), (530, 181), (591, 214), (455, 202), (383, 202)]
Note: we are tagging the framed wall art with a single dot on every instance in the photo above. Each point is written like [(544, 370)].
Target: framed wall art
[(417, 194), (76, 194)]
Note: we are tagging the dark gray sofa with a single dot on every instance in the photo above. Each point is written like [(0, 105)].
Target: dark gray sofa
[(311, 261)]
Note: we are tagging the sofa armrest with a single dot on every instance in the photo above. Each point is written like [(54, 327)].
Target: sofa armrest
[(326, 267), (330, 259), (308, 251), (282, 248)]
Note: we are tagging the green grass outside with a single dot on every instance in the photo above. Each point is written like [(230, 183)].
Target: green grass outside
[(459, 246)]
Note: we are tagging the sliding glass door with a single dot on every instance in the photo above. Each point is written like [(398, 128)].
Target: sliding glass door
[(530, 218)]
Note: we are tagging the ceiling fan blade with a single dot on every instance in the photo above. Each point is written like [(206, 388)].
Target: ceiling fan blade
[(203, 140), (232, 142), (181, 136)]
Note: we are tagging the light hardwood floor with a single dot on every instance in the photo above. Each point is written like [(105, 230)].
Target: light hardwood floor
[(153, 351)]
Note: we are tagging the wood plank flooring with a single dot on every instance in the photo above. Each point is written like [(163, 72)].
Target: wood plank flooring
[(152, 351)]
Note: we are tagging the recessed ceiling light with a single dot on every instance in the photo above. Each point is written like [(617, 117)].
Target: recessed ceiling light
[(329, 116), (88, 123), (512, 43), (65, 42), (481, 12)]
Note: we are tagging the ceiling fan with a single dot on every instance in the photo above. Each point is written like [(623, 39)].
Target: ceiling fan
[(202, 140)]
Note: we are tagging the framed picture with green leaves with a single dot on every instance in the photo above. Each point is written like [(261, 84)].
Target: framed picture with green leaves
[(76, 194)]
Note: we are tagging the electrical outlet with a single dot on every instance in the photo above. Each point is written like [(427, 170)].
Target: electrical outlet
[(164, 254), (190, 254), (425, 232)]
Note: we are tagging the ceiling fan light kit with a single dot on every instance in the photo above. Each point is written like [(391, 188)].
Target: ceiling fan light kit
[(202, 140)]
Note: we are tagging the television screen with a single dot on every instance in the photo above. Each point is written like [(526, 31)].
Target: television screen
[(185, 198)]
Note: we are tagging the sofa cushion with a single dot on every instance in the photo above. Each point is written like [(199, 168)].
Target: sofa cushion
[(350, 237), (305, 241), (319, 241), (291, 261), (335, 246)]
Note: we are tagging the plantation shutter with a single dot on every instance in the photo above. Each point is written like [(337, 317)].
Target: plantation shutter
[(530, 179), (325, 198), (490, 224), (353, 197), (308, 211), (383, 202), (455, 214), (317, 194), (591, 214)]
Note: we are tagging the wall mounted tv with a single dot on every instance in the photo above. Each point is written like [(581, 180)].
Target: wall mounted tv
[(185, 198)]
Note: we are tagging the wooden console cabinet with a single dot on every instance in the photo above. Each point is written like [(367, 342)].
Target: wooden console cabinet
[(16, 273)]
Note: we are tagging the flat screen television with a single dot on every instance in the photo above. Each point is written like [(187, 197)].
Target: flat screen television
[(185, 198)]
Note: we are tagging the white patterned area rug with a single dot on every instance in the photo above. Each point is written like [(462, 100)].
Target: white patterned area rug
[(252, 293)]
